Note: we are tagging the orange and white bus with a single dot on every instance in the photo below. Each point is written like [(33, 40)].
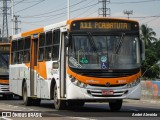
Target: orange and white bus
[(78, 61), (4, 69)]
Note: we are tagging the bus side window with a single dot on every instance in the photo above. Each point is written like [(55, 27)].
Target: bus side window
[(13, 51), (41, 47), (20, 50), (27, 44), (14, 58), (56, 41), (48, 48), (41, 54)]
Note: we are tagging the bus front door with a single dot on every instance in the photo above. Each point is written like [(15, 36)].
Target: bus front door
[(33, 67)]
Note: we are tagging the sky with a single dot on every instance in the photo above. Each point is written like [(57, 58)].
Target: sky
[(38, 13)]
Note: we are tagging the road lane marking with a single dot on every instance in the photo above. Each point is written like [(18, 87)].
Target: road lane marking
[(80, 118), (15, 108), (2, 118)]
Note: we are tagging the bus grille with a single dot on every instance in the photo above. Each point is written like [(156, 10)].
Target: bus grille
[(99, 93), (116, 85), (4, 88)]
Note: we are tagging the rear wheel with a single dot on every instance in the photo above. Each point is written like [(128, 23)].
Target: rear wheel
[(27, 100), (115, 106), (58, 104)]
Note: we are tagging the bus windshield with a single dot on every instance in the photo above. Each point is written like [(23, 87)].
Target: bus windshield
[(103, 52)]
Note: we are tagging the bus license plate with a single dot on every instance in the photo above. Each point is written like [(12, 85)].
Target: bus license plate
[(107, 92)]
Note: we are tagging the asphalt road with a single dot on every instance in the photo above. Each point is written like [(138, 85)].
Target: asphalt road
[(133, 110)]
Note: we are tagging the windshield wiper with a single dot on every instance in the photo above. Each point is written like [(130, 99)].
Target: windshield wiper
[(119, 44), (91, 40)]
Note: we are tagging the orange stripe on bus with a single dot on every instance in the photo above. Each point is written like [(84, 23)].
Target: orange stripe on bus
[(39, 30), (103, 81), (40, 69), (28, 65), (4, 81)]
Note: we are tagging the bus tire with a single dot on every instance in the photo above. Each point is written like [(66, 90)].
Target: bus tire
[(58, 104), (26, 99), (115, 106)]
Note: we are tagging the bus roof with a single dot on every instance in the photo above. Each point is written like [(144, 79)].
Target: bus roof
[(61, 24), (39, 30), (100, 18)]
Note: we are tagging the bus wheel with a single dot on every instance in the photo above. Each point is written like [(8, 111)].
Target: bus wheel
[(26, 99), (58, 104), (115, 106)]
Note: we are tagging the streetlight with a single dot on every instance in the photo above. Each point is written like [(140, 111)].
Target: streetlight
[(128, 12)]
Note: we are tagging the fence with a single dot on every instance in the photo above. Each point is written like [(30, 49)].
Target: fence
[(150, 90)]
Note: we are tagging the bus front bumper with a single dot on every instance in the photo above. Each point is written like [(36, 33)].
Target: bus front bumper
[(103, 93)]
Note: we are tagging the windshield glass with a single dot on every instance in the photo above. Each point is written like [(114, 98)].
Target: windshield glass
[(103, 52)]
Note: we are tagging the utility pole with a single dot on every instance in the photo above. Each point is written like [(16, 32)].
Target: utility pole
[(12, 16), (5, 35), (68, 13), (16, 24), (128, 13), (0, 32), (104, 11)]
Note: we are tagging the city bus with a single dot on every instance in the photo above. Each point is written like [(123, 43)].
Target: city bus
[(78, 61), (4, 69)]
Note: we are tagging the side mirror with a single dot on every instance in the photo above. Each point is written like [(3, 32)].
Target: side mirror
[(142, 49), (66, 41)]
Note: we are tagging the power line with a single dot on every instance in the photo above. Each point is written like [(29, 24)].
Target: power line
[(30, 6), (24, 1), (37, 15), (91, 13), (87, 9), (65, 12), (19, 2), (134, 2)]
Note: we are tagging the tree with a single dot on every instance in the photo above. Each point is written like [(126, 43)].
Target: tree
[(148, 35), (149, 67), (152, 45)]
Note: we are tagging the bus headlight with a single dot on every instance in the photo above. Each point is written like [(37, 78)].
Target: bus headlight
[(134, 83), (77, 82)]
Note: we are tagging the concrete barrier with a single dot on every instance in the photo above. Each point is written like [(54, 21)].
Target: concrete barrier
[(150, 91)]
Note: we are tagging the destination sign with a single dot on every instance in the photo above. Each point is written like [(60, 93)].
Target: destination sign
[(104, 25)]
